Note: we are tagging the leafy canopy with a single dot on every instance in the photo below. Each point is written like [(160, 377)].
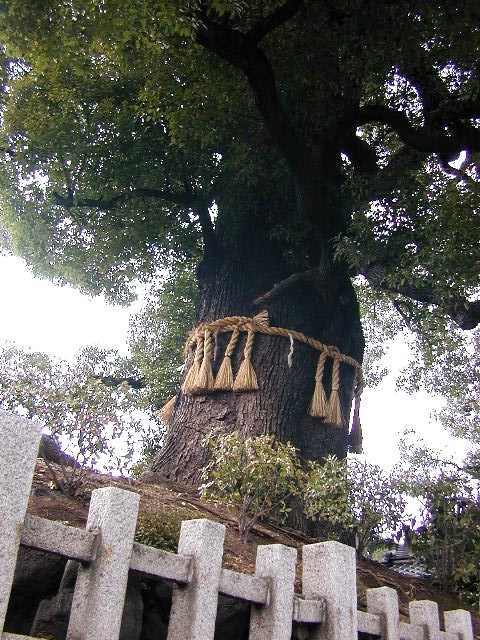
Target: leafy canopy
[(134, 135), (122, 121)]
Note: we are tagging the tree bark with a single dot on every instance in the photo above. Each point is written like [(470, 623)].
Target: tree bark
[(324, 307)]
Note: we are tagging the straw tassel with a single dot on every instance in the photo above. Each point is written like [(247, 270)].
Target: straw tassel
[(355, 438), (334, 409), (246, 379), (204, 380), (167, 409), (190, 379), (224, 379), (318, 406)]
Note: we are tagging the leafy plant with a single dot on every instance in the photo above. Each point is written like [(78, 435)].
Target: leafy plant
[(93, 422), (448, 539), (446, 534), (259, 476), (359, 497), (163, 530), (256, 475)]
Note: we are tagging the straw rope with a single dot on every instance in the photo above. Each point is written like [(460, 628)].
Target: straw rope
[(258, 325), (200, 379)]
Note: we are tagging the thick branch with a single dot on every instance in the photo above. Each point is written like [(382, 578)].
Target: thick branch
[(281, 287), (241, 51), (184, 198), (273, 20), (465, 314), (361, 154), (419, 139)]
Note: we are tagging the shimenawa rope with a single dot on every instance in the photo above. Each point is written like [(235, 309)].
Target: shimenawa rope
[(199, 378)]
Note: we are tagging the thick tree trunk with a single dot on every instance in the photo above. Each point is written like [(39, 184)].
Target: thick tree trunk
[(325, 309)]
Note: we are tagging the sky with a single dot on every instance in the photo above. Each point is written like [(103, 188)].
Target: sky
[(57, 320), (60, 321)]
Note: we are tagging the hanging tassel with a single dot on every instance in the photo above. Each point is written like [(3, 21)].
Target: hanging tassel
[(192, 374), (204, 380), (166, 411), (318, 406), (290, 353), (355, 438), (246, 379), (224, 379), (334, 409), (262, 318)]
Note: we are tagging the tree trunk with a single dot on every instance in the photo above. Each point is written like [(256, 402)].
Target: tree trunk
[(325, 309)]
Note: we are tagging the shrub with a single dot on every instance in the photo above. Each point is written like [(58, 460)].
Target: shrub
[(256, 475), (357, 496), (162, 530)]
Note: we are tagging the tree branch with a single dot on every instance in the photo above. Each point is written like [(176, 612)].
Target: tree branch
[(361, 154), (188, 198), (420, 139), (241, 51), (273, 20), (185, 198), (464, 313), (279, 288)]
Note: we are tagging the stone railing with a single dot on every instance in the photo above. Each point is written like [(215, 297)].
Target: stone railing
[(106, 552)]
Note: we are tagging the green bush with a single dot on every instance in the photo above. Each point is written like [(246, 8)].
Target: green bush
[(357, 496), (163, 530), (259, 476), (255, 475)]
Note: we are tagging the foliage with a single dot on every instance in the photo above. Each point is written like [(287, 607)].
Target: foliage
[(93, 422), (448, 538), (259, 476), (163, 530), (255, 475), (443, 359), (446, 535), (359, 497), (158, 333), (119, 122)]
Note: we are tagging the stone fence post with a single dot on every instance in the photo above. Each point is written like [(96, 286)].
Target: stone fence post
[(459, 621), (18, 454), (273, 621), (100, 589), (383, 602), (194, 606), (424, 613), (329, 572)]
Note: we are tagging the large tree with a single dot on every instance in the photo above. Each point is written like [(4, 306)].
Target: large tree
[(297, 143)]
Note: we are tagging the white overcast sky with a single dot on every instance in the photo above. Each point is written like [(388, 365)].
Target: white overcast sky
[(60, 321)]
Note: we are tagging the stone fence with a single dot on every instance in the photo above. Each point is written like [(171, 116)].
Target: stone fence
[(106, 552)]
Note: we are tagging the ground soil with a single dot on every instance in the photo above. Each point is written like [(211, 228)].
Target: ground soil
[(156, 498)]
